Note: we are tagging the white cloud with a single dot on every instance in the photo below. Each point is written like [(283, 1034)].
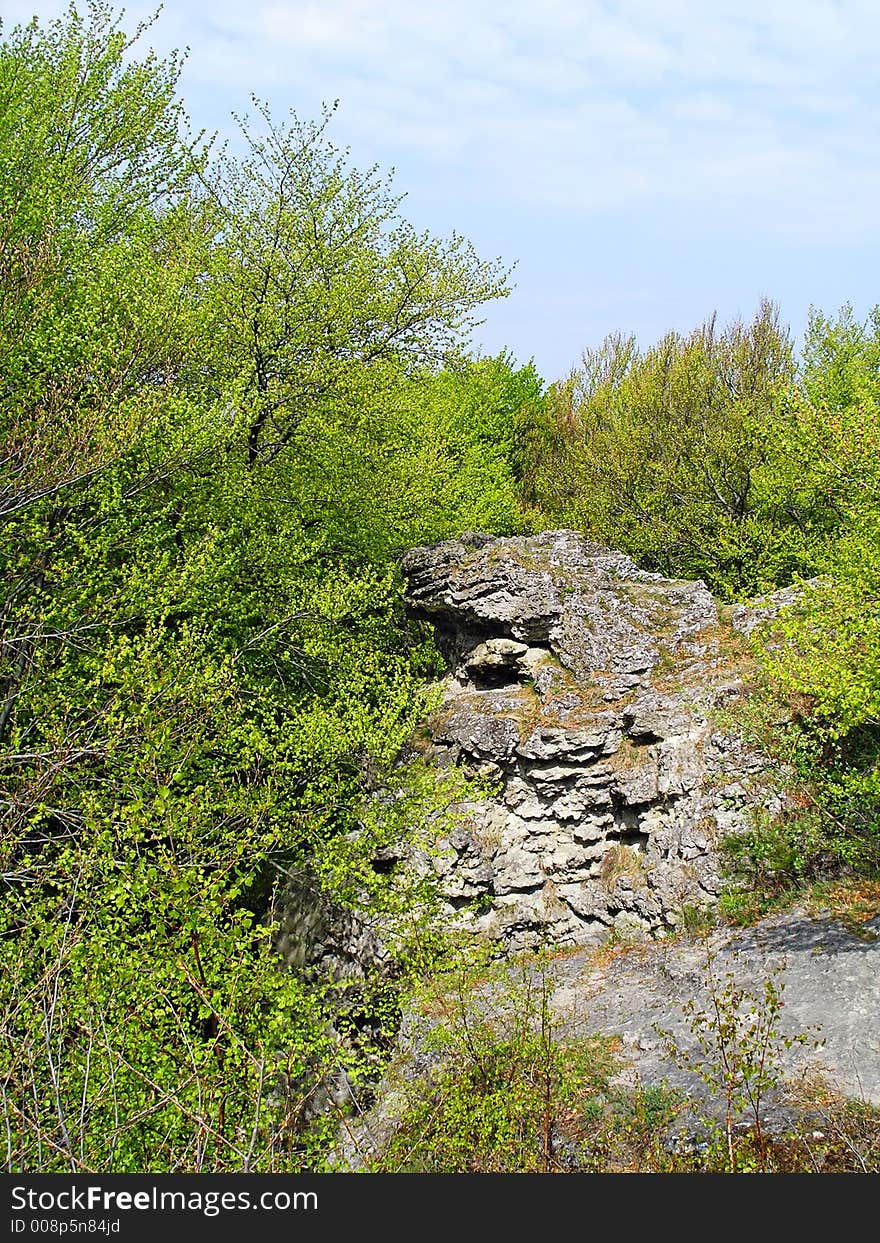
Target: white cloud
[(589, 100), (754, 121), (586, 104)]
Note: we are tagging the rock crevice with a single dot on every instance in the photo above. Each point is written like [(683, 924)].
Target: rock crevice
[(582, 690)]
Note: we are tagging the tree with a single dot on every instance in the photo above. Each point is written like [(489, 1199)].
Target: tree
[(97, 254), (832, 424), (207, 678), (660, 453), (320, 281), (822, 657)]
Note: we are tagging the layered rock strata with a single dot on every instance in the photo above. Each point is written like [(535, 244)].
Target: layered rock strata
[(584, 693)]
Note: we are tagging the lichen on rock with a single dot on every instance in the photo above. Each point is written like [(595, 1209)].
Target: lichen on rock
[(587, 687)]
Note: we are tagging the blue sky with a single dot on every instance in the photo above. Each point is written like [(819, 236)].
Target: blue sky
[(643, 162)]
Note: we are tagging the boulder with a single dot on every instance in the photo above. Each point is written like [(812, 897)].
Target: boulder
[(589, 688)]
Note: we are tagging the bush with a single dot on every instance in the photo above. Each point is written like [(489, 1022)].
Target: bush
[(659, 453), (504, 1085)]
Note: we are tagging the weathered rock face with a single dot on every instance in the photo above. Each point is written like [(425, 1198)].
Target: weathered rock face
[(582, 689)]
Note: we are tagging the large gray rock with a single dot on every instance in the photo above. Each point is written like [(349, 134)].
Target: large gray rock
[(586, 690), (604, 619)]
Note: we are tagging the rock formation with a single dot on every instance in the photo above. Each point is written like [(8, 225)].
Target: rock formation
[(583, 692)]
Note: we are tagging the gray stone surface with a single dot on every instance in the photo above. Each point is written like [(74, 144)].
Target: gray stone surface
[(831, 991), (588, 689), (829, 981), (746, 618)]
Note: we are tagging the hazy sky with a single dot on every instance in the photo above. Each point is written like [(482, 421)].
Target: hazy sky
[(643, 162)]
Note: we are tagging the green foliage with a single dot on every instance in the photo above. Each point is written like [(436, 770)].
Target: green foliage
[(410, 459), (739, 1045), (496, 1087), (216, 377), (233, 390), (503, 1079), (828, 648), (821, 657), (825, 825), (659, 453), (842, 359), (99, 248), (179, 737), (320, 283), (626, 1131)]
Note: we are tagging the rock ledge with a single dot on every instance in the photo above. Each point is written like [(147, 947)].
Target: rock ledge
[(583, 690)]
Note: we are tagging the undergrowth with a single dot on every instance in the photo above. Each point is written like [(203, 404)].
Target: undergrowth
[(825, 834), (500, 1085)]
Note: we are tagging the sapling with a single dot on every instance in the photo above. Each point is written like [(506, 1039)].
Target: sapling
[(740, 1047)]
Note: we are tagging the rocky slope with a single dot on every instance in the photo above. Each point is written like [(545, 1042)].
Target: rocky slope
[(826, 975), (584, 692)]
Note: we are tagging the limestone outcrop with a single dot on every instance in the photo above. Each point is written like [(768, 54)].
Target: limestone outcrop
[(584, 693)]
